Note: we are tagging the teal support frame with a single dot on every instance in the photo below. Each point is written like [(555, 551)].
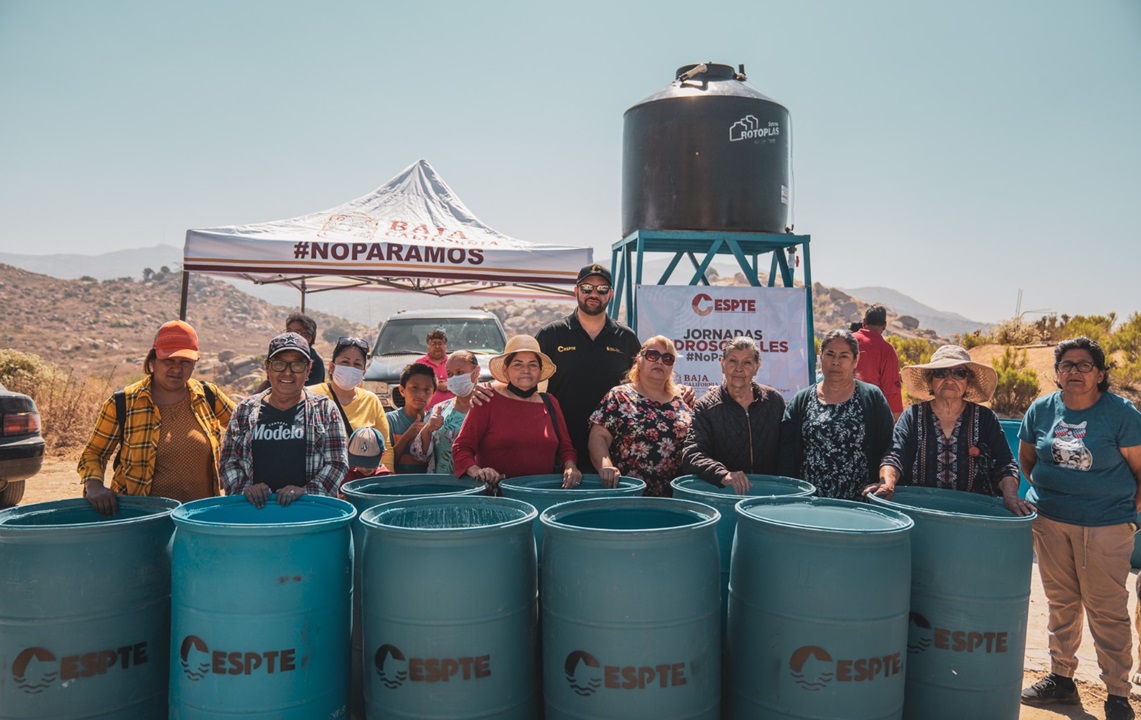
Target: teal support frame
[(700, 248)]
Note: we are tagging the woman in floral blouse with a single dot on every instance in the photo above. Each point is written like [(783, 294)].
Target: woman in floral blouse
[(638, 428)]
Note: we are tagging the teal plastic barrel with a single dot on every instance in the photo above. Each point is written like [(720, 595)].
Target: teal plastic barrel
[(543, 491), (85, 610), (631, 610), (692, 487), (971, 560), (367, 493), (260, 609), (1010, 428), (450, 609), (818, 600)]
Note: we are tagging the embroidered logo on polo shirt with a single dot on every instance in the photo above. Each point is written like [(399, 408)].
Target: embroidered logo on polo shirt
[(613, 349), (565, 348)]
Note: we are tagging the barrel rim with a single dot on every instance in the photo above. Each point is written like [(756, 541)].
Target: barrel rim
[(902, 521), (353, 487), (186, 516), (162, 507), (1006, 520), (625, 483), (806, 488), (527, 516), (550, 518)]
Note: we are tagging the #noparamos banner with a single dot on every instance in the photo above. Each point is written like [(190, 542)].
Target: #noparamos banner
[(701, 320)]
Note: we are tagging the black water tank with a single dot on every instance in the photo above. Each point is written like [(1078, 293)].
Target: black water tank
[(708, 152)]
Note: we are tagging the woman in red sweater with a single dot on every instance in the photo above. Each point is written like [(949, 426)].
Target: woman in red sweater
[(520, 431)]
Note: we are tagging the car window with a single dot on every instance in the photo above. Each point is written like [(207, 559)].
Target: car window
[(400, 337)]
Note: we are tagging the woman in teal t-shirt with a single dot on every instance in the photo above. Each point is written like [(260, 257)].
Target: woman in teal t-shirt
[(1081, 449)]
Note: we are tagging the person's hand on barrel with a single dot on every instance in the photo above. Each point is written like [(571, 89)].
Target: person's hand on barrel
[(609, 476), (571, 476), (738, 481), (885, 488), (288, 494), (101, 498), (257, 494), (488, 475)]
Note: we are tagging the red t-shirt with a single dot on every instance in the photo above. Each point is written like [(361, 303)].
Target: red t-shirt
[(441, 369), (879, 365), (515, 437)]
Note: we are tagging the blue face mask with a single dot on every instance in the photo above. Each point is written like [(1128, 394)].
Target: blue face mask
[(461, 385)]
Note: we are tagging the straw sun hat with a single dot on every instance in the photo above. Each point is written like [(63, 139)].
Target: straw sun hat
[(980, 384), (520, 343)]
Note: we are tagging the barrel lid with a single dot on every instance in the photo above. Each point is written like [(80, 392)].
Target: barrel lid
[(449, 515), (626, 516), (763, 486), (822, 514), (553, 484), (715, 80), (237, 515), (76, 513), (409, 485), (951, 504)]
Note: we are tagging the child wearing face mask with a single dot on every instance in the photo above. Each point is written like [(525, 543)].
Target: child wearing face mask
[(359, 408), (463, 374)]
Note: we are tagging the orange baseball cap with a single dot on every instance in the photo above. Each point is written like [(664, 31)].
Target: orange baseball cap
[(176, 339)]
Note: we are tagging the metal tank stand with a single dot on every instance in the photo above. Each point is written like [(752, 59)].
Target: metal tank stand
[(626, 262)]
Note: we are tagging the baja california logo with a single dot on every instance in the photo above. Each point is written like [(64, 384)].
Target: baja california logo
[(583, 673), (749, 128), (34, 678), (391, 666)]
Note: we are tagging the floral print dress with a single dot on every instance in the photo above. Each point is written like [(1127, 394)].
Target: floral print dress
[(835, 460), (648, 436)]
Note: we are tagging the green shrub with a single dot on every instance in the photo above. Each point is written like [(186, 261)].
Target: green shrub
[(1095, 327), (68, 403), (974, 339), (1014, 332), (1017, 385), (911, 351)]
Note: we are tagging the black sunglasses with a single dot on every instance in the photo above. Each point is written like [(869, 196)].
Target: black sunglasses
[(587, 288), (957, 373), (352, 342), (658, 356)]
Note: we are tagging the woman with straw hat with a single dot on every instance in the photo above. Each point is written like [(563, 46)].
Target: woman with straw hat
[(519, 431), (949, 440)]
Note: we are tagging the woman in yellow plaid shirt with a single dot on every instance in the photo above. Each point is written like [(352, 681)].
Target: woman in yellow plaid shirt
[(170, 434)]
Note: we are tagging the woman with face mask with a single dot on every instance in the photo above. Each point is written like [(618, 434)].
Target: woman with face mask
[(447, 417), (359, 407)]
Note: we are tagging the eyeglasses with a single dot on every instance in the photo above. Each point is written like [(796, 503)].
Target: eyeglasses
[(658, 356), (587, 288), (1085, 366), (957, 373), (297, 366), (353, 342)]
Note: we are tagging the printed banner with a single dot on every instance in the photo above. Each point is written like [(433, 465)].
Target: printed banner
[(701, 320)]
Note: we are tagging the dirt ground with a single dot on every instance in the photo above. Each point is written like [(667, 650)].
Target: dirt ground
[(58, 480)]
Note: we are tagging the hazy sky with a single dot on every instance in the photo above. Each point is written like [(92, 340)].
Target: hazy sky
[(954, 151)]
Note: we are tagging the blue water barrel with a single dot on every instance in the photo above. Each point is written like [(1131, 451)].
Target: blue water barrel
[(85, 610), (367, 493), (692, 487), (450, 609), (543, 491), (818, 600), (631, 621), (971, 560), (1010, 427), (260, 609)]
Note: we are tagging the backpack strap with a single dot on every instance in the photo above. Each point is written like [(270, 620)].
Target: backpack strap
[(211, 395), (554, 422), (120, 420)]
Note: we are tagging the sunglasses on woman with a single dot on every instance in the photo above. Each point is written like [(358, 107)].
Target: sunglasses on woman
[(658, 356), (957, 373), (353, 342)]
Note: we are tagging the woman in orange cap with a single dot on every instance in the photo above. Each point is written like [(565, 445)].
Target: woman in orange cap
[(167, 428)]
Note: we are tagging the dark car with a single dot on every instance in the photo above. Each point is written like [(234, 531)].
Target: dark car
[(21, 445)]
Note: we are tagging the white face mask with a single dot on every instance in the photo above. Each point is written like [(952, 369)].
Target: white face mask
[(461, 385), (347, 377)]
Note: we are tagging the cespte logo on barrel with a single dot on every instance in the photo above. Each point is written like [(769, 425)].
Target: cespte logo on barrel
[(394, 668), (813, 668), (923, 634), (199, 660), (586, 675), (36, 669)]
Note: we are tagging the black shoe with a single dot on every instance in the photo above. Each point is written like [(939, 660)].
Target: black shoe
[(1117, 707), (1053, 689)]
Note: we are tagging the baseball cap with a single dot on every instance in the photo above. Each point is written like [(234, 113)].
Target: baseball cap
[(366, 445), (594, 269), (176, 339), (287, 341)]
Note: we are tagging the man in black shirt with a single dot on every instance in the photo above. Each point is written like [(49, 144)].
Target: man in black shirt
[(592, 354)]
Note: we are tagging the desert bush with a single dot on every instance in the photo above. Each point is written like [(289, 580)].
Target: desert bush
[(1095, 327), (973, 339), (68, 402), (1014, 332), (911, 351), (1017, 386)]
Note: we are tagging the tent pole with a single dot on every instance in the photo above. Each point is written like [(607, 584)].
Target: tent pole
[(182, 300), (302, 295)]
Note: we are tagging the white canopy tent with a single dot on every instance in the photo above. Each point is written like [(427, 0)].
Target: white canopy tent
[(412, 233)]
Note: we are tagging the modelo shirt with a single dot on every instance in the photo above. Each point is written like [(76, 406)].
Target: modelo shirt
[(585, 371), (279, 447), (1081, 477)]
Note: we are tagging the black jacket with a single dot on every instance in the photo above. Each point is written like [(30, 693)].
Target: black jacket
[(724, 437)]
